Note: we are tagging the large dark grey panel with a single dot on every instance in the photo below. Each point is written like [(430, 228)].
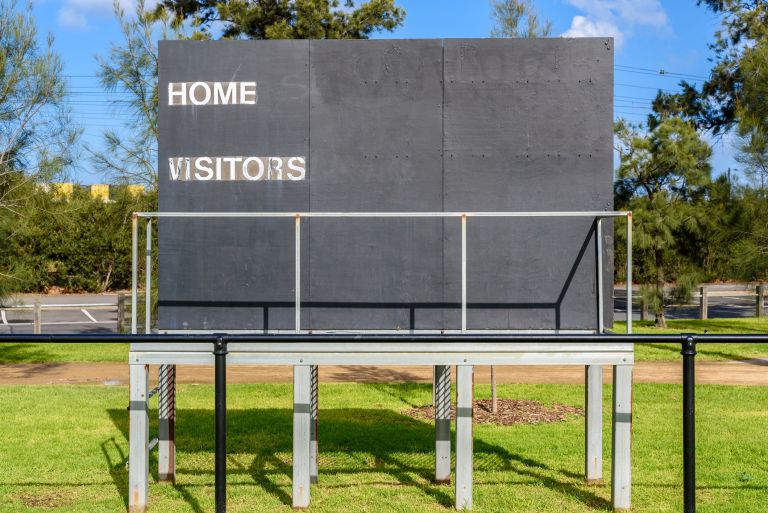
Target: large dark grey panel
[(222, 273), (376, 144), (527, 127), (414, 125)]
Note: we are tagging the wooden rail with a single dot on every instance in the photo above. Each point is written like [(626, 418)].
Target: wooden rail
[(37, 308), (704, 294)]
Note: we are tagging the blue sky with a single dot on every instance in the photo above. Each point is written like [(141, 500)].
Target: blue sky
[(669, 35)]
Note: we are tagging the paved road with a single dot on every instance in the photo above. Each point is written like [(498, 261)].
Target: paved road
[(77, 320), (719, 307), (90, 320)]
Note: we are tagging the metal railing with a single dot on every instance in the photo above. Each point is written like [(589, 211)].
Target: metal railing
[(598, 216), (219, 349)]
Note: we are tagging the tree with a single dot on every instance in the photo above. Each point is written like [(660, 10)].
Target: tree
[(36, 133), (739, 75), (753, 155), (131, 66), (662, 178), (131, 70), (285, 19), (518, 18)]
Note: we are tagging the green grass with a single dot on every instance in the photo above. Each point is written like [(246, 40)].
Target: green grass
[(60, 353), (65, 447), (712, 352)]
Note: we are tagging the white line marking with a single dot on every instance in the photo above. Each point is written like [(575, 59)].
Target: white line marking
[(2, 316), (88, 315)]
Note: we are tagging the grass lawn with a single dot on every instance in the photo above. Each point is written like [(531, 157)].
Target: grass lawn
[(64, 448), (59, 353), (653, 352)]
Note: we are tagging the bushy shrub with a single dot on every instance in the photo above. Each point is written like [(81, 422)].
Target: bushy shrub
[(80, 243)]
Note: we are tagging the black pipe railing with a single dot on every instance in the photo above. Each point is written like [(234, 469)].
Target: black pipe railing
[(220, 342)]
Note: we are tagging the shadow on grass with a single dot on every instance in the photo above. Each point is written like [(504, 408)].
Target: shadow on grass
[(24, 353), (352, 442)]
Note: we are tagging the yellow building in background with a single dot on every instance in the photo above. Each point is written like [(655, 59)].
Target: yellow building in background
[(63, 189), (100, 191), (97, 191)]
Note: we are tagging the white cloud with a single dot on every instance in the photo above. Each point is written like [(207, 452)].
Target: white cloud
[(583, 27), (74, 14), (615, 18), (71, 19)]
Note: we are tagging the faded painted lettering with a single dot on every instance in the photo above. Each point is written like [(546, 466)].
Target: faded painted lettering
[(224, 169)]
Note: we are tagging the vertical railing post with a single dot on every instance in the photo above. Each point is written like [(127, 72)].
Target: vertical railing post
[(148, 281), (120, 311), (134, 269), (599, 265), (703, 303), (220, 357), (297, 271), (463, 273), (37, 321), (629, 273), (689, 423)]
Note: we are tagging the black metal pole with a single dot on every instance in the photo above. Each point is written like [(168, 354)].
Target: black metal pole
[(689, 424), (220, 354)]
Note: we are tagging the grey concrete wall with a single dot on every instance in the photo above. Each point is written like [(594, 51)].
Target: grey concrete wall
[(409, 125)]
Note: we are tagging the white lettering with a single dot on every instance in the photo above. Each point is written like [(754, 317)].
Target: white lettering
[(258, 161), (232, 169), (220, 97), (237, 168), (218, 168), (176, 167), (200, 167), (300, 169), (278, 168), (212, 93), (248, 89), (182, 93), (193, 93)]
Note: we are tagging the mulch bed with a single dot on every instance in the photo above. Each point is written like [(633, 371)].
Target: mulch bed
[(510, 412)]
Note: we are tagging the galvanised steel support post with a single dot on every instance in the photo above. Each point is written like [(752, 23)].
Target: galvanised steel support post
[(464, 436), (621, 462), (313, 413), (220, 357), (442, 390), (593, 424), (301, 434), (166, 427), (138, 445), (689, 424)]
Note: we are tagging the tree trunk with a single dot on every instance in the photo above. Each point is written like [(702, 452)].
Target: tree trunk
[(661, 320)]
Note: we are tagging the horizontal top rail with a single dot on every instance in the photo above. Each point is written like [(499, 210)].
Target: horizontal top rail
[(727, 293), (360, 338), (63, 306), (595, 214)]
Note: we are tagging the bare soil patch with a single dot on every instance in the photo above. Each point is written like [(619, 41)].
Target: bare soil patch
[(510, 412), (46, 500)]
